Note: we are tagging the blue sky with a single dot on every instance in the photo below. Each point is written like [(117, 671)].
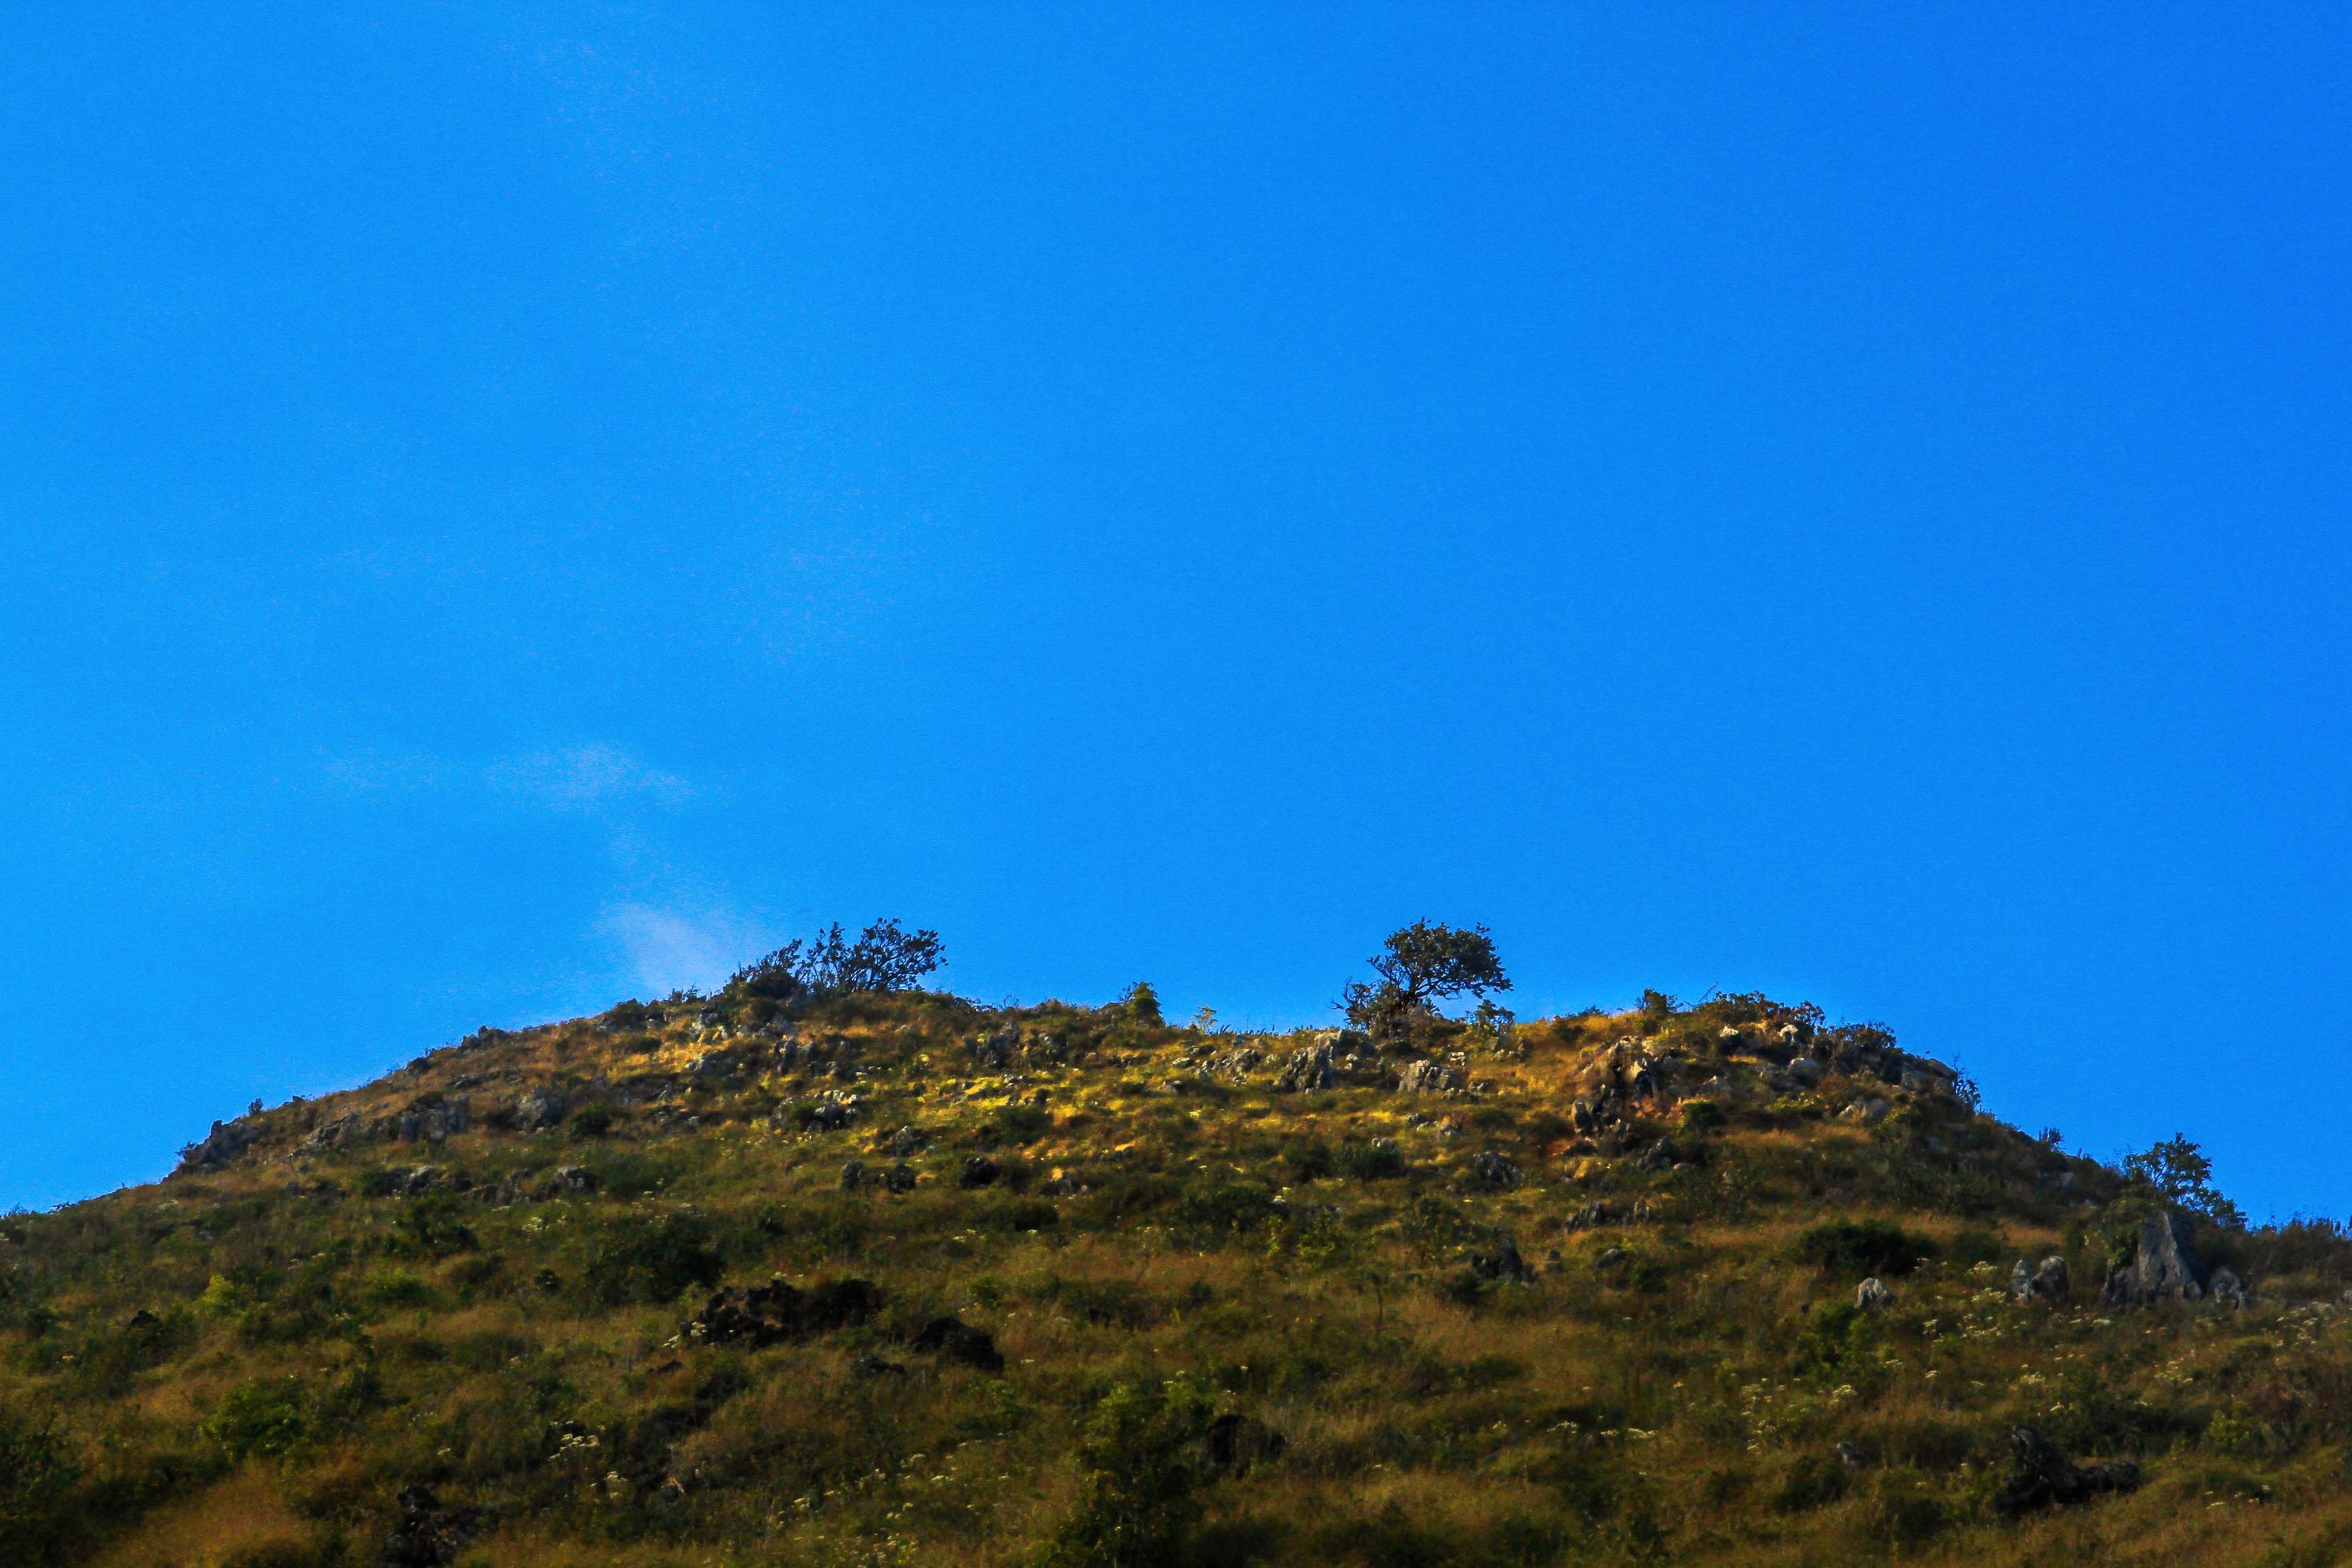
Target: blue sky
[(508, 507)]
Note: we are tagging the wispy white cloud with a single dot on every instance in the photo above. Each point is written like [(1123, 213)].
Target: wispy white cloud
[(665, 950), (587, 779), (385, 771)]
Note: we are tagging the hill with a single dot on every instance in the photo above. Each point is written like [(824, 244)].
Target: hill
[(886, 1276)]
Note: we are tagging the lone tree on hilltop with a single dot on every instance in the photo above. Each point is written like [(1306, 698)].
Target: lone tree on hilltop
[(886, 956), (1417, 967)]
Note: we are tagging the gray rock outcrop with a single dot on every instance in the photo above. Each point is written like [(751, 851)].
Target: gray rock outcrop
[(2163, 1269), (539, 1108), (2050, 1282)]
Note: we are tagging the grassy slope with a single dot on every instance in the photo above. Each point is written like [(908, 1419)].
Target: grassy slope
[(312, 1348)]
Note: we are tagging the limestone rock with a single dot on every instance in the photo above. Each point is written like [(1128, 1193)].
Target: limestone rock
[(2164, 1268), (1428, 1077), (2050, 1282), (1308, 1069), (2040, 1477), (539, 1108), (1492, 1173), (1502, 1262), (225, 1143)]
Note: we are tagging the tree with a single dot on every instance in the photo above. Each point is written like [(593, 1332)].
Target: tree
[(1419, 966), (1142, 1003), (2178, 1173), (885, 957)]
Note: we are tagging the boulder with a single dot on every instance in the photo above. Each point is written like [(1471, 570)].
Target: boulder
[(2164, 1268), (905, 1141), (1502, 1262), (1866, 1110), (1428, 1077), (898, 1177), (575, 1178), (1308, 1069), (2040, 1477), (1873, 1295), (539, 1108), (834, 1110), (995, 1051), (770, 1313), (1492, 1173), (430, 1119), (2050, 1282), (217, 1148), (853, 1177), (341, 1133), (2226, 1288), (980, 1171), (959, 1342)]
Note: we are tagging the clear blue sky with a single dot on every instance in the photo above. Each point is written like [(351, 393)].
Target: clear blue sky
[(507, 507)]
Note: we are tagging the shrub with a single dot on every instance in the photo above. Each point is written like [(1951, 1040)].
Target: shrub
[(432, 1227), (1141, 1004), (1861, 1248), (885, 957), (1837, 1338), (1376, 1159), (1213, 1208), (263, 1417), (1312, 1161), (1903, 1515), (652, 1260), (37, 1476), (1142, 1468), (1015, 1124), (1810, 1481), (1702, 1116)]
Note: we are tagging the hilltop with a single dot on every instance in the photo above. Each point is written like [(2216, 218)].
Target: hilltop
[(882, 1276)]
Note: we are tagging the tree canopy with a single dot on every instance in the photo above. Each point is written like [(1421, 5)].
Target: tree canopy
[(1420, 965), (886, 956)]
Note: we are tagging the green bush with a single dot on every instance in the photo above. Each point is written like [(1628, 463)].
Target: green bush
[(1015, 1124), (37, 1476), (1143, 1467), (1837, 1339), (1867, 1247), (1810, 1481), (651, 1260), (1211, 1209), (591, 1121), (261, 1418), (1376, 1160)]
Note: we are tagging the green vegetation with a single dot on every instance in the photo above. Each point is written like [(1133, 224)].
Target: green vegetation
[(1566, 1291)]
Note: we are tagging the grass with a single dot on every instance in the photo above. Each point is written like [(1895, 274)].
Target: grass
[(1673, 1387)]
